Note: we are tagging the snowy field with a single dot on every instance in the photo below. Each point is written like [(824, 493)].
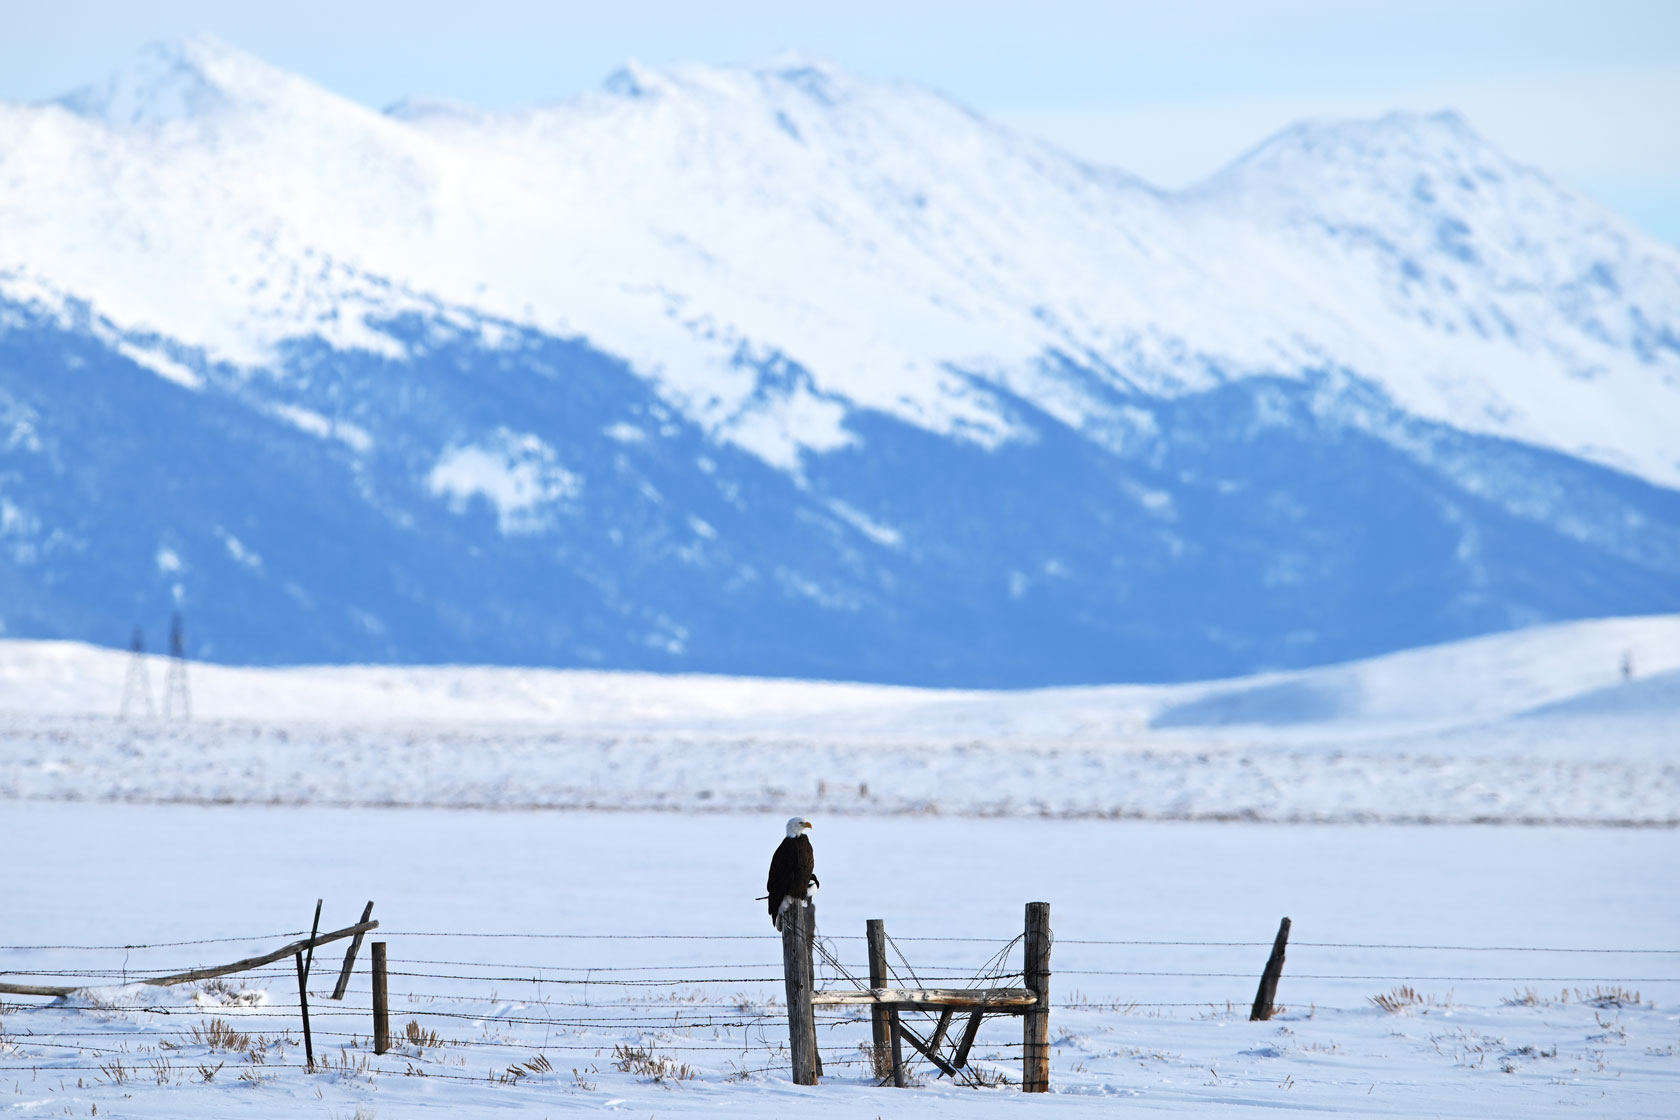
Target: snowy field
[(533, 930), (1537, 726), (1497, 1033)]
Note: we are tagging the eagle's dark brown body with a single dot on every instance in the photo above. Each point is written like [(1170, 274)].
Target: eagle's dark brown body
[(791, 875)]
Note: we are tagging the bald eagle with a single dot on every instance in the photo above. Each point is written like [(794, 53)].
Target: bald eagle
[(791, 875)]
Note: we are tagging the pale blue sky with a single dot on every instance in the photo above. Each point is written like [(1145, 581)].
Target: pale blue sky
[(1586, 90)]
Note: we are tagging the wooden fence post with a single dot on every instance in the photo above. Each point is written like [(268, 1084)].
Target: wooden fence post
[(303, 1001), (350, 957), (1035, 1050), (811, 975), (796, 971), (969, 1035), (883, 1018), (928, 1049), (303, 968), (381, 1002), (1269, 978), (880, 1029), (940, 1028)]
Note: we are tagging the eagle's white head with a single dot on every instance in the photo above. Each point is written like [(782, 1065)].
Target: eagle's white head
[(797, 826)]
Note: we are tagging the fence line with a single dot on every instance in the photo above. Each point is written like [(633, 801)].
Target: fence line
[(609, 981), (1474, 948), (771, 938), (162, 944), (494, 1077), (693, 981), (1358, 945), (621, 1014)]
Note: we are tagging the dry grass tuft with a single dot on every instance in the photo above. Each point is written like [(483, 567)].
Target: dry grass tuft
[(878, 1060), (1614, 996), (537, 1066), (1403, 998), (983, 1078), (1527, 997), (218, 1034), (647, 1064), (421, 1037), (353, 1066)]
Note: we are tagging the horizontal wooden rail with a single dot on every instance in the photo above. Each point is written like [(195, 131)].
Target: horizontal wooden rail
[(202, 973), (1002, 1000)]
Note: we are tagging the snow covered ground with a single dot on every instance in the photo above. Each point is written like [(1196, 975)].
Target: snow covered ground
[(1129, 1029), (1536, 725), (1159, 822)]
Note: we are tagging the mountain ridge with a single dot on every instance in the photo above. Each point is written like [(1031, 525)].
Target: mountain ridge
[(946, 301), (779, 370)]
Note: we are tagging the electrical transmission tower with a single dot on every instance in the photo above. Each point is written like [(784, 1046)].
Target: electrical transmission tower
[(137, 680), (175, 693)]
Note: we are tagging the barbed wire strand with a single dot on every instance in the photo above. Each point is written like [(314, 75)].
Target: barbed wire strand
[(1181, 943)]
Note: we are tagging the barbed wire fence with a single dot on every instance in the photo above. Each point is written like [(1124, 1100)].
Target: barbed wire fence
[(471, 1018)]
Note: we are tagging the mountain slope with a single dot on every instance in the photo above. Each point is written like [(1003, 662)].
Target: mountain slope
[(776, 370), (876, 234)]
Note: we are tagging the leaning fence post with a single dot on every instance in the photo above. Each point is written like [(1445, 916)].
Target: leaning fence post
[(796, 971), (381, 1002), (314, 930), (969, 1034), (350, 957), (303, 1001), (303, 986), (1269, 978), (1035, 1050)]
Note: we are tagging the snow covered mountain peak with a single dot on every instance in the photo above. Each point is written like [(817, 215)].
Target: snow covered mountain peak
[(181, 79), (1402, 134), (710, 224), (813, 76), (1405, 162), (635, 80), (777, 368)]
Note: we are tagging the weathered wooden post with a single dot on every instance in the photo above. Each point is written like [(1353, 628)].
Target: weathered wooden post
[(303, 968), (811, 973), (883, 1018), (1035, 1050), (381, 1002), (303, 1001), (350, 957), (315, 931), (875, 936), (971, 1032), (939, 1030), (796, 971), (1269, 978)]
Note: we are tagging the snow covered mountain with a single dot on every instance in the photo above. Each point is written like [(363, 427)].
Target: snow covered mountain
[(778, 370)]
